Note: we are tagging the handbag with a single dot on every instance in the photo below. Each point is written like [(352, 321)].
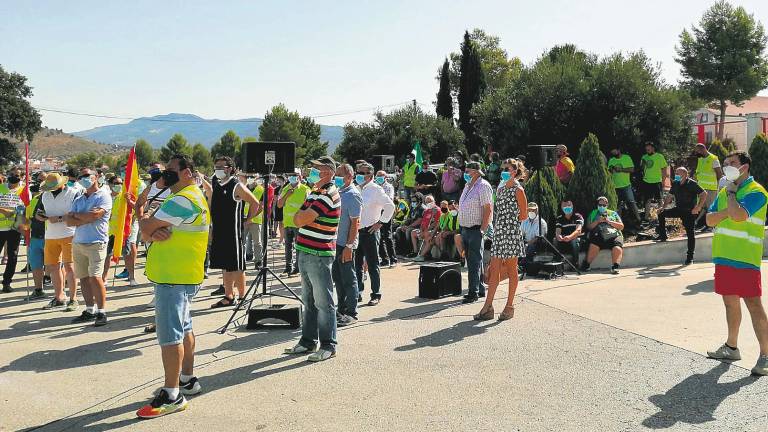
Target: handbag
[(607, 232)]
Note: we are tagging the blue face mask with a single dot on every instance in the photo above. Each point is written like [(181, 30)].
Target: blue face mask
[(339, 182), (567, 210), (602, 209), (86, 182), (380, 180), (505, 176), (677, 178), (70, 183), (314, 176), (293, 179), (467, 177), (359, 179)]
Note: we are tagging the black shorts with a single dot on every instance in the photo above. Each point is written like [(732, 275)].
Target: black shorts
[(278, 214), (650, 191), (598, 241)]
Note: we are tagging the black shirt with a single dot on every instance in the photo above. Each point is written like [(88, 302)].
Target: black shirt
[(427, 178), (686, 195), (568, 226)]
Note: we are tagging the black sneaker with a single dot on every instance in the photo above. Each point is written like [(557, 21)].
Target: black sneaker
[(47, 280), (584, 267), (38, 294), (661, 239), (345, 321), (219, 291), (54, 304), (101, 320), (688, 261), (191, 387), (162, 405), (615, 269), (7, 289), (384, 263), (84, 317)]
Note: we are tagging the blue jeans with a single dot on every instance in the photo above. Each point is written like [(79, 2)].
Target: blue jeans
[(319, 306), (173, 316), (368, 250), (290, 252), (472, 240), (345, 279)]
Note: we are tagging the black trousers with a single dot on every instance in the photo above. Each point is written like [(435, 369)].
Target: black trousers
[(10, 239), (386, 245), (688, 219)]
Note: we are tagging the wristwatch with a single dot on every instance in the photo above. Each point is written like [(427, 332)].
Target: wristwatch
[(348, 246)]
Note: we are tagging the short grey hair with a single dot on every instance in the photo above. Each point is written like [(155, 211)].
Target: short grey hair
[(347, 169), (368, 167)]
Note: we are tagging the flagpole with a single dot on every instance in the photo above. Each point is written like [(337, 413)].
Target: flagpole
[(26, 198)]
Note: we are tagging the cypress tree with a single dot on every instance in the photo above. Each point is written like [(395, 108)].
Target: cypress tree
[(758, 150), (444, 106), (591, 178), (471, 88), (541, 190), (718, 149)]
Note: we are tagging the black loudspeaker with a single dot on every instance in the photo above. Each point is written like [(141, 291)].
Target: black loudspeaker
[(384, 162), (439, 279), (288, 314), (540, 156), (268, 157)]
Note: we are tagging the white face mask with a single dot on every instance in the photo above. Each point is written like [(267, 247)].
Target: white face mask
[(731, 173), (531, 215), (220, 174), (454, 212)]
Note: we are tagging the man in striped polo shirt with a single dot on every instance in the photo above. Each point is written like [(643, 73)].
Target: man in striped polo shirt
[(318, 220)]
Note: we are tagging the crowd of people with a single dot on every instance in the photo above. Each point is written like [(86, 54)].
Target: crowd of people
[(341, 224)]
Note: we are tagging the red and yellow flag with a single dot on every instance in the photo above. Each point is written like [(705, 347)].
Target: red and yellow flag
[(125, 213)]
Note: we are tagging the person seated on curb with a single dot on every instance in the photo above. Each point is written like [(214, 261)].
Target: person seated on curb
[(568, 229), (604, 228), (689, 200), (449, 227), (429, 222), (403, 234)]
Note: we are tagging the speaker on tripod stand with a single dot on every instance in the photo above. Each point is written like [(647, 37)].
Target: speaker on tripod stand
[(267, 158)]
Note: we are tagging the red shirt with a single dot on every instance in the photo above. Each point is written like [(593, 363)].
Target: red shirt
[(428, 216)]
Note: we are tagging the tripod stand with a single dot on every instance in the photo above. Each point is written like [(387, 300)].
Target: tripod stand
[(264, 272), (540, 238)]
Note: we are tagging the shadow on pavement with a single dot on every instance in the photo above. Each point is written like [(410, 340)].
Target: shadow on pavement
[(450, 335), (695, 399), (654, 272), (706, 286), (424, 308)]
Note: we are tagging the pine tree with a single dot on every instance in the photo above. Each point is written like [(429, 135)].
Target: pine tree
[(444, 105), (591, 179), (471, 88), (176, 145), (718, 149), (758, 150)]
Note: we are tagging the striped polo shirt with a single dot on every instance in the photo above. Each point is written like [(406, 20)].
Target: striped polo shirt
[(319, 237)]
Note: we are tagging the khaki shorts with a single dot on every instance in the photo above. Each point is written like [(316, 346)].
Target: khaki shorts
[(57, 251), (89, 259)]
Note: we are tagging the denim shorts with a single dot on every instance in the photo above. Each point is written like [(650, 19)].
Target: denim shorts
[(36, 253), (173, 315)]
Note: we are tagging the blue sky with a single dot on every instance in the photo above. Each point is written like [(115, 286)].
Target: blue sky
[(236, 59)]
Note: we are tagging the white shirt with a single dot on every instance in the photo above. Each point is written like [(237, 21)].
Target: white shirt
[(389, 190), (377, 207), (530, 228), (59, 205)]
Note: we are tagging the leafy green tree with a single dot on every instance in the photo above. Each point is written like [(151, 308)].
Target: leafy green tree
[(202, 158), (591, 179), (280, 124), (83, 160), (176, 145), (729, 144), (145, 154), (17, 116), (723, 58), (471, 89), (9, 153), (718, 149), (498, 68), (228, 145), (444, 105), (758, 150), (540, 188)]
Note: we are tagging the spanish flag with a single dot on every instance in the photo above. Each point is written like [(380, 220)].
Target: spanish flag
[(124, 213)]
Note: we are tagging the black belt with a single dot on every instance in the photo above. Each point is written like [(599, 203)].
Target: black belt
[(473, 227)]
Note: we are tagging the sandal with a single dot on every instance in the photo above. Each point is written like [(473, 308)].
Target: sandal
[(504, 315), (484, 316), (224, 302), (150, 328)]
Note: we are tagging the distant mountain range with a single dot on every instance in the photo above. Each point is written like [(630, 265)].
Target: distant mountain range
[(159, 129)]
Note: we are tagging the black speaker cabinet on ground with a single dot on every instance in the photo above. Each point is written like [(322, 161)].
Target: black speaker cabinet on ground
[(384, 162), (540, 156), (289, 314), (262, 157), (439, 279)]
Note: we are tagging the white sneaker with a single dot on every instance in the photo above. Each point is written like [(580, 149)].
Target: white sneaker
[(725, 353), (419, 259), (321, 355), (299, 349), (132, 283)]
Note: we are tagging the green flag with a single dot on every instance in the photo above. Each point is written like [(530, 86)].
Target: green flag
[(417, 153)]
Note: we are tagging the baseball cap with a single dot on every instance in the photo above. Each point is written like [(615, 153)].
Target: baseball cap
[(325, 160)]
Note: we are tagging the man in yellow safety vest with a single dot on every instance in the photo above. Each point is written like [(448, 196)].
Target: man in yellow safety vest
[(708, 173)]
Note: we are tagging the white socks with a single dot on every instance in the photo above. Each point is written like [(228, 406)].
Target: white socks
[(185, 378), (91, 309), (173, 393)]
